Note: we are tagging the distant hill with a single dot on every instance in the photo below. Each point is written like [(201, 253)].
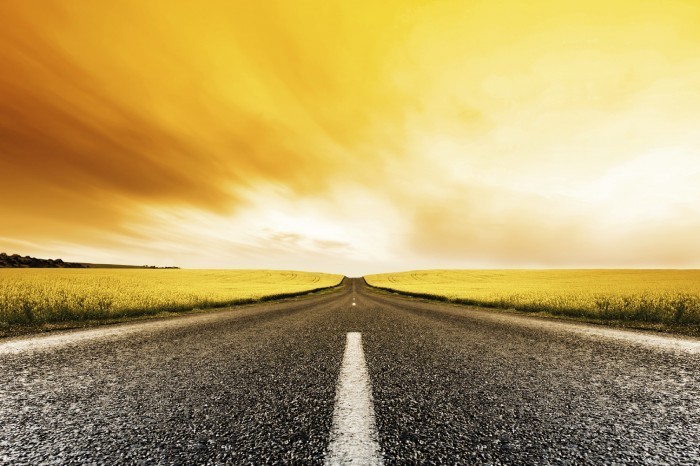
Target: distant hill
[(27, 262), (17, 261)]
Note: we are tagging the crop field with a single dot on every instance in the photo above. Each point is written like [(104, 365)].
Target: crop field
[(36, 296), (654, 296)]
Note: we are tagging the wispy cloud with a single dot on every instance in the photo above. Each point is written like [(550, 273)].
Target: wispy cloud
[(356, 137)]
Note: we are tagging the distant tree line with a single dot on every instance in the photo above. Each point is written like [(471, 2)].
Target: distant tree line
[(17, 261)]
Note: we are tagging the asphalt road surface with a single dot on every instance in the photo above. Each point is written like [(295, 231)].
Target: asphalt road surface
[(260, 384)]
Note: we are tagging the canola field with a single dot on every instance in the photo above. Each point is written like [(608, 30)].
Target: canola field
[(37, 296), (655, 296)]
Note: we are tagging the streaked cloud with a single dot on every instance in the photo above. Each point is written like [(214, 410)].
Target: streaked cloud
[(351, 136)]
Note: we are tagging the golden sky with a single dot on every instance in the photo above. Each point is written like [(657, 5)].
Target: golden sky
[(352, 136)]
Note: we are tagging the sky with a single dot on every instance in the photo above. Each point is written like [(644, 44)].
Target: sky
[(352, 136)]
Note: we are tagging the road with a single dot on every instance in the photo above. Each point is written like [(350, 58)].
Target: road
[(260, 384)]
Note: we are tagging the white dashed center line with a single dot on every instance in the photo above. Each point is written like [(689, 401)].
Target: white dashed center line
[(354, 434)]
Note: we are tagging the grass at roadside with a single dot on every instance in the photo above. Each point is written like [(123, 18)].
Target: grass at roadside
[(58, 298), (667, 300)]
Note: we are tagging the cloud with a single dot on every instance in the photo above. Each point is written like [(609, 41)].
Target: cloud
[(362, 135), (171, 104)]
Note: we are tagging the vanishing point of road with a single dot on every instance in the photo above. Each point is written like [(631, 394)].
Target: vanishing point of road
[(353, 376)]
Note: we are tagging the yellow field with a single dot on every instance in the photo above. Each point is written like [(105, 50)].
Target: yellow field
[(659, 296), (30, 296)]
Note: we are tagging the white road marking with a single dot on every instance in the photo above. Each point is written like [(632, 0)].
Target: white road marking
[(354, 434), (59, 339), (660, 342), (353, 304)]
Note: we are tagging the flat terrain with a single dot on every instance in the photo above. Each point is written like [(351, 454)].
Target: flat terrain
[(257, 385), (17, 261), (645, 298), (33, 298)]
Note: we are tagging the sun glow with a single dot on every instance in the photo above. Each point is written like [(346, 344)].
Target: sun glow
[(352, 137)]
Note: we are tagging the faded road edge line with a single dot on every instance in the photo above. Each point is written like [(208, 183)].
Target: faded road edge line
[(354, 434)]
